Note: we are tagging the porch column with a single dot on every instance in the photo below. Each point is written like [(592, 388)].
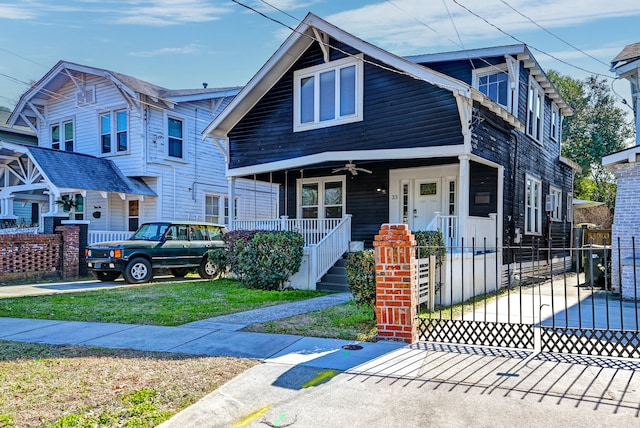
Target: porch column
[(232, 202), (396, 283), (463, 198), (6, 208)]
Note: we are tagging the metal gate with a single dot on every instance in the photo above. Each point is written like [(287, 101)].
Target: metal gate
[(563, 300)]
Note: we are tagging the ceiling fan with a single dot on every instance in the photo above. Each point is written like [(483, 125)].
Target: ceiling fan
[(352, 168)]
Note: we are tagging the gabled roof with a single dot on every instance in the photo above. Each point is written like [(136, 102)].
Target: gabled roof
[(627, 61), (63, 71), (87, 173), (629, 53), (308, 32), (520, 51), (4, 125)]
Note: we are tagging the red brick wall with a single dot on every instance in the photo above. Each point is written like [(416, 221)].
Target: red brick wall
[(396, 288), (31, 256)]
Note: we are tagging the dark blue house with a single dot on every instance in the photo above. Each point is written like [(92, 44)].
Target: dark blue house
[(465, 142)]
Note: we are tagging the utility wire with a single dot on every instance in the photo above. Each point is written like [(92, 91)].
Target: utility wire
[(348, 54), (554, 35), (532, 47), (453, 23), (280, 10)]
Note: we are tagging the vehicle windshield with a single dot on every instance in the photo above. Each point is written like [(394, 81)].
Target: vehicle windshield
[(150, 232)]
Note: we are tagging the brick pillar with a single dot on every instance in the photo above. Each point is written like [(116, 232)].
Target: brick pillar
[(396, 287), (70, 250)]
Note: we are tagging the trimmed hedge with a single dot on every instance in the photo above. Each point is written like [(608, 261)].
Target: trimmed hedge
[(361, 278), (261, 259)]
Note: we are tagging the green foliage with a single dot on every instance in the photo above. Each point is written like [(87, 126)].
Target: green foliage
[(7, 421), (219, 258), (236, 242), (430, 242), (596, 129), (268, 259), (361, 278)]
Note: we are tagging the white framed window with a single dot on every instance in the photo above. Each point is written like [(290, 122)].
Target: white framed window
[(114, 127), (175, 140), (556, 122), (62, 136), (533, 206), (322, 197), (556, 197), (570, 207), (495, 83), (328, 94), (226, 210), (535, 111), (73, 203), (212, 209)]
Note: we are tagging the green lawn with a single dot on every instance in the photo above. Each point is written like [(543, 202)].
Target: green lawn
[(167, 304), (346, 321)]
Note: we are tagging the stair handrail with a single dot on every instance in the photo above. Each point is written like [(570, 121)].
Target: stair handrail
[(324, 254)]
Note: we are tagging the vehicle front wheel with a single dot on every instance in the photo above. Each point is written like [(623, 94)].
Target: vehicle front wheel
[(138, 271), (106, 276), (206, 269), (179, 272)]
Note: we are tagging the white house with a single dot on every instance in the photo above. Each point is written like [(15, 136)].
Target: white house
[(117, 151)]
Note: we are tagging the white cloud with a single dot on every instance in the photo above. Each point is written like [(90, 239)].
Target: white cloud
[(185, 50), (404, 25)]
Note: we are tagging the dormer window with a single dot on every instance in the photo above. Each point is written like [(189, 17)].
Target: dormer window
[(497, 82), (328, 94)]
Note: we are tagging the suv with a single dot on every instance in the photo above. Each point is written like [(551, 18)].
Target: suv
[(180, 247)]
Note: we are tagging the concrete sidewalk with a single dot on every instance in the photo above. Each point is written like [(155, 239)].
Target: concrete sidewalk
[(316, 382)]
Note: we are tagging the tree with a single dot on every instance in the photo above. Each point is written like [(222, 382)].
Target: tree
[(596, 129)]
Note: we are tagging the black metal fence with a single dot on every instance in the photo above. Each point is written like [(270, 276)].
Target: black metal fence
[(551, 298)]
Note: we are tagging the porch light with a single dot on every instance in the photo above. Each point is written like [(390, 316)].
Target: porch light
[(381, 190)]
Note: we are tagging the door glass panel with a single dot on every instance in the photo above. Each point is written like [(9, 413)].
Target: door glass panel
[(405, 203), (428, 189)]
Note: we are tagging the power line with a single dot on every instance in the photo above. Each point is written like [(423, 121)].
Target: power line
[(280, 10), (326, 44), (453, 23), (532, 47), (552, 34)]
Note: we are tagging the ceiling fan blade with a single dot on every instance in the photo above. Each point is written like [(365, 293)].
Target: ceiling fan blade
[(364, 170)]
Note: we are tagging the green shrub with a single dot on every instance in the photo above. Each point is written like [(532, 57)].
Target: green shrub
[(361, 278), (219, 258), (236, 242), (431, 242), (269, 259)]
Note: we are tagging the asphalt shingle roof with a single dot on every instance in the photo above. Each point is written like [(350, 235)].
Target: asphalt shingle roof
[(78, 171)]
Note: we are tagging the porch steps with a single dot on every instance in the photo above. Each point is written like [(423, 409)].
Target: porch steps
[(335, 279)]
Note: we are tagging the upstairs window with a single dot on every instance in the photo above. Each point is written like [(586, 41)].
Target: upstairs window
[(495, 83), (535, 111), (328, 94), (533, 206), (176, 139), (62, 136), (117, 133), (556, 122)]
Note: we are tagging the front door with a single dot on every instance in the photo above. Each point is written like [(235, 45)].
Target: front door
[(426, 202)]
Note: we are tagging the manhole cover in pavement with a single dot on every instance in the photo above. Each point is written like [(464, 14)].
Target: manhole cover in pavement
[(352, 347)]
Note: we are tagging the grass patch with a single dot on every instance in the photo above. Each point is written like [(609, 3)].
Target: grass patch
[(346, 321), (167, 304), (74, 386)]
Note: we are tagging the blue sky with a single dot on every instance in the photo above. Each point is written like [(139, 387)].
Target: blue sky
[(181, 43)]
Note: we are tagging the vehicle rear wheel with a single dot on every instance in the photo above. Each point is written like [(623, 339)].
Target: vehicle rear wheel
[(206, 270), (179, 272), (138, 271), (106, 276)]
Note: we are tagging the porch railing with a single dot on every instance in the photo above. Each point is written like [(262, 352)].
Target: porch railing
[(107, 235), (313, 230), (448, 225), (326, 240), (18, 230), (329, 249)]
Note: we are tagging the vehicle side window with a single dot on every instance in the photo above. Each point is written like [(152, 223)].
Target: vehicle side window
[(177, 232), (215, 233), (197, 233)]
